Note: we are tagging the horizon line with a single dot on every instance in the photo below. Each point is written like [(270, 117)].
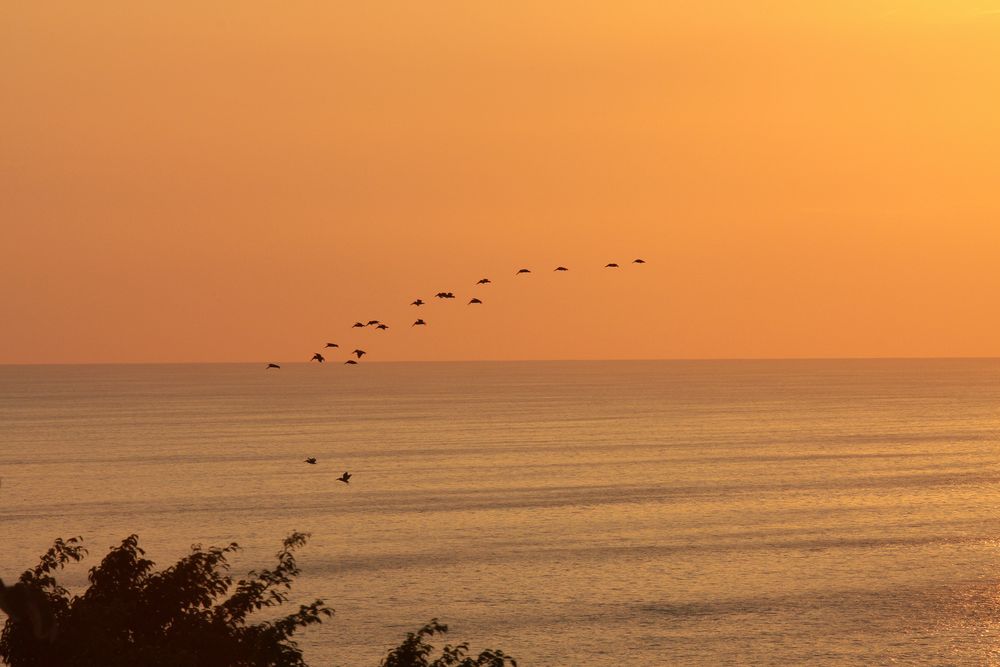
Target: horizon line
[(500, 361)]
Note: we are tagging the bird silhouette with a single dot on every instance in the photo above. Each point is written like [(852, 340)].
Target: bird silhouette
[(383, 327), (345, 478), (483, 281), (332, 345), (560, 268), (418, 302), (350, 361), (520, 271), (474, 301), (612, 265), (311, 461), (360, 353), (318, 357), (445, 295), (358, 324), (420, 322), (372, 323), (272, 366), (638, 261)]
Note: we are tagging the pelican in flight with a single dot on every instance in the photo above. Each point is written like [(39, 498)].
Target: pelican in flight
[(350, 361), (318, 357), (420, 322), (345, 478), (358, 324), (332, 345), (445, 295), (372, 323), (560, 268), (612, 265), (638, 261), (474, 301), (383, 327), (311, 460), (520, 271), (418, 302), (272, 366), (483, 281), (360, 353)]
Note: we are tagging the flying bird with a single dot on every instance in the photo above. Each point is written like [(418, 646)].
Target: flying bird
[(350, 361), (612, 265), (638, 261), (358, 324), (418, 302), (474, 301), (560, 268), (372, 323), (272, 366), (311, 461), (483, 281), (345, 478), (360, 353), (420, 322), (445, 295), (332, 345), (318, 357), (520, 271), (383, 327)]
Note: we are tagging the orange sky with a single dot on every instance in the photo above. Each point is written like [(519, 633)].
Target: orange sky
[(241, 181)]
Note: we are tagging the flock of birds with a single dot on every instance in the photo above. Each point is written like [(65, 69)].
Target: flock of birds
[(382, 326)]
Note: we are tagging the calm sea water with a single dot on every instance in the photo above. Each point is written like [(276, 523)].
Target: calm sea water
[(578, 513)]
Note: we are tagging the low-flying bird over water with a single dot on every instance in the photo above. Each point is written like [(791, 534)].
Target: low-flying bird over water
[(638, 261), (311, 461), (418, 302), (483, 281), (474, 301), (360, 353), (372, 323), (351, 361), (418, 322), (520, 271), (612, 265), (318, 357), (332, 345), (383, 327), (560, 268), (345, 478), (272, 366), (358, 324)]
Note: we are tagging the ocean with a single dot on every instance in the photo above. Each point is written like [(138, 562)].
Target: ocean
[(840, 512)]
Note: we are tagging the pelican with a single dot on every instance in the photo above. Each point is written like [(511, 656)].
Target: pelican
[(358, 324), (383, 327), (418, 302), (332, 345), (360, 353), (520, 271), (311, 461), (372, 323), (350, 361), (560, 268), (272, 366), (474, 301), (638, 261), (483, 281), (345, 478), (318, 357), (612, 265), (420, 322)]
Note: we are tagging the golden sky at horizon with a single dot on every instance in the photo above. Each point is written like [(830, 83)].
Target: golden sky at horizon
[(241, 181)]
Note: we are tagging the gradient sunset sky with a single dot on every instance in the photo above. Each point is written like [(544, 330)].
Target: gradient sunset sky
[(241, 181)]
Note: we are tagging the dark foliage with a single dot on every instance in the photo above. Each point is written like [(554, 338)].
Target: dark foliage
[(133, 615), (415, 651)]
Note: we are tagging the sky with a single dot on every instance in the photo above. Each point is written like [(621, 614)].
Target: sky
[(241, 181)]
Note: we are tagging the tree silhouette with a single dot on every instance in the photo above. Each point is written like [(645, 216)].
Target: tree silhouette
[(415, 651)]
